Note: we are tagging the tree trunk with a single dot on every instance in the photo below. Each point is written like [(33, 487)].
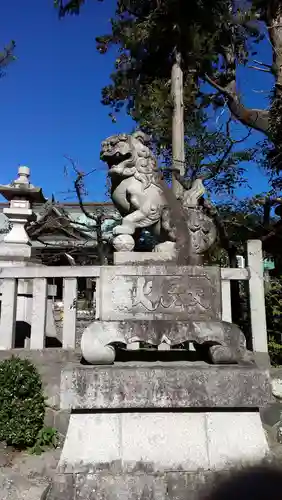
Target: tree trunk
[(259, 119), (274, 22)]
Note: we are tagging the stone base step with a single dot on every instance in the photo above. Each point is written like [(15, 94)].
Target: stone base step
[(158, 442), (155, 455)]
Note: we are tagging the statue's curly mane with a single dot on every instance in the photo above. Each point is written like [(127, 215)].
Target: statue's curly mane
[(146, 170), (142, 164)]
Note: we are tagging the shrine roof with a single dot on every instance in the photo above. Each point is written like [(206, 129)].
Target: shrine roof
[(66, 218)]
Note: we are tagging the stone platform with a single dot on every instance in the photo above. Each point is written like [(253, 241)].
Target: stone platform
[(132, 385), (153, 430)]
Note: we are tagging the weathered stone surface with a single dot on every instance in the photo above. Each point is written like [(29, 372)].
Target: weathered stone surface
[(135, 442), (170, 385), (26, 476), (157, 442), (177, 485), (236, 437), (62, 488), (277, 388), (154, 332), (271, 413), (109, 487), (168, 486), (219, 341), (14, 486), (14, 252), (184, 486), (164, 441), (160, 292), (122, 258), (102, 451)]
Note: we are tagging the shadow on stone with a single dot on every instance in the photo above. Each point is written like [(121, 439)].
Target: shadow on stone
[(260, 483), (52, 342), (23, 331), (152, 355)]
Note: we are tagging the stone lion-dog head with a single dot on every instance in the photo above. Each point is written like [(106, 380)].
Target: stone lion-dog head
[(129, 156)]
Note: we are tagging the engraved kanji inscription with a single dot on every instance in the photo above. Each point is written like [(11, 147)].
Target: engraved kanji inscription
[(170, 292)]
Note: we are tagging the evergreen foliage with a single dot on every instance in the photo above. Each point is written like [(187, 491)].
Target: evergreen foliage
[(22, 403)]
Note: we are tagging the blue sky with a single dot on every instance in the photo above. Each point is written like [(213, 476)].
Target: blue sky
[(50, 97)]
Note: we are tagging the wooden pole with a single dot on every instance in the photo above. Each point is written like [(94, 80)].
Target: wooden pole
[(178, 151)]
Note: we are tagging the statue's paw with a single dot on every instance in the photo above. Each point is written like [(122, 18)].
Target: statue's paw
[(124, 229), (220, 354), (99, 342)]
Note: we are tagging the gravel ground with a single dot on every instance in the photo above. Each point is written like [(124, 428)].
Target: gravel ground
[(24, 476)]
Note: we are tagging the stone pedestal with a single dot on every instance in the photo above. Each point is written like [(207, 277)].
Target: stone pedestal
[(159, 429), (160, 304), (156, 430)]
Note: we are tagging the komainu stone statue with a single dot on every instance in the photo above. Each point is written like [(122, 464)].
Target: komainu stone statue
[(158, 307), (138, 195)]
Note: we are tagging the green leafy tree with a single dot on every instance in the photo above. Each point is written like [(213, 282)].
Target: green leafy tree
[(214, 155), (215, 39), (148, 35)]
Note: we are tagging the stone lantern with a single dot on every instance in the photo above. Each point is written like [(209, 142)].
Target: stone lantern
[(21, 195), (15, 249)]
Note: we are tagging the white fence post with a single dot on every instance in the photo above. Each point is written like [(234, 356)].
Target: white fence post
[(257, 302), (8, 313), (97, 299), (69, 321), (39, 313), (226, 301)]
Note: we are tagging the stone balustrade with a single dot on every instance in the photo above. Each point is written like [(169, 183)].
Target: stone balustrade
[(39, 292)]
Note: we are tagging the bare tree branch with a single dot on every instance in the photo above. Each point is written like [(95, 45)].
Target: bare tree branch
[(98, 218), (232, 143), (7, 55), (78, 186), (257, 119), (269, 66), (257, 68)]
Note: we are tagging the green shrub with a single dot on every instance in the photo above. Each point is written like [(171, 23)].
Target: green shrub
[(47, 437), (275, 352), (273, 306), (22, 403)]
